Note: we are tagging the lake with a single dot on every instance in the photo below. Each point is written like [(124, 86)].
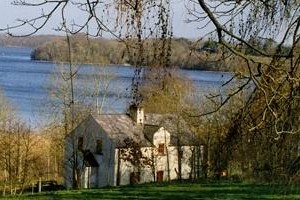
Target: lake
[(25, 82)]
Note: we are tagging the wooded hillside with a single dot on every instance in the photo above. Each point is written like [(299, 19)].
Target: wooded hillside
[(184, 52)]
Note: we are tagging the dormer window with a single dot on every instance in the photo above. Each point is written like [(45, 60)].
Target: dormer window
[(161, 149)]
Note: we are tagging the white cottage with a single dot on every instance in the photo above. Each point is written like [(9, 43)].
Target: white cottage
[(120, 149)]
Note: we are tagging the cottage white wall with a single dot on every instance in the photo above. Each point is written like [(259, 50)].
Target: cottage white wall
[(68, 167), (91, 132), (147, 170), (126, 168), (160, 161), (161, 164), (89, 177), (171, 156)]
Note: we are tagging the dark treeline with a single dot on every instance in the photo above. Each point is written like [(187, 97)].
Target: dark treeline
[(185, 53)]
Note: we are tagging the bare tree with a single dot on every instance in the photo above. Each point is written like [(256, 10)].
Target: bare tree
[(269, 117), (20, 156), (235, 23)]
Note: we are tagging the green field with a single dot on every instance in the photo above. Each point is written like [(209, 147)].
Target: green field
[(187, 191)]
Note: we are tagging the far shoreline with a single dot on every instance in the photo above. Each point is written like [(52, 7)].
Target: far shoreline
[(189, 68)]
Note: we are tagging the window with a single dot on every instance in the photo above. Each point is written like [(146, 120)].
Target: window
[(161, 149), (160, 176), (80, 143), (99, 147)]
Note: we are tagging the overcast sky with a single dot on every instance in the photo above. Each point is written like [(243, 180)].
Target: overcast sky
[(10, 13)]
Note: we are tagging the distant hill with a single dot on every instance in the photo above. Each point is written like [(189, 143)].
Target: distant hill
[(31, 41), (183, 53)]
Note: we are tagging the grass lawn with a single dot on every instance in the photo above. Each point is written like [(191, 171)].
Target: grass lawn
[(214, 190)]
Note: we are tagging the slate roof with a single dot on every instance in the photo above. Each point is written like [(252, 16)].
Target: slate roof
[(121, 126), (149, 131), (177, 127)]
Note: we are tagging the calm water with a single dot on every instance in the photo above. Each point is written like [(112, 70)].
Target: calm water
[(25, 82)]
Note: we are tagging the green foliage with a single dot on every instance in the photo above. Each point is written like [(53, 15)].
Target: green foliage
[(208, 190)]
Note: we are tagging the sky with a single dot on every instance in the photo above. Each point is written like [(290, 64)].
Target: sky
[(11, 13)]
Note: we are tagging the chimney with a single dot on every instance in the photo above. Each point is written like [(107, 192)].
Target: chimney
[(137, 114)]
